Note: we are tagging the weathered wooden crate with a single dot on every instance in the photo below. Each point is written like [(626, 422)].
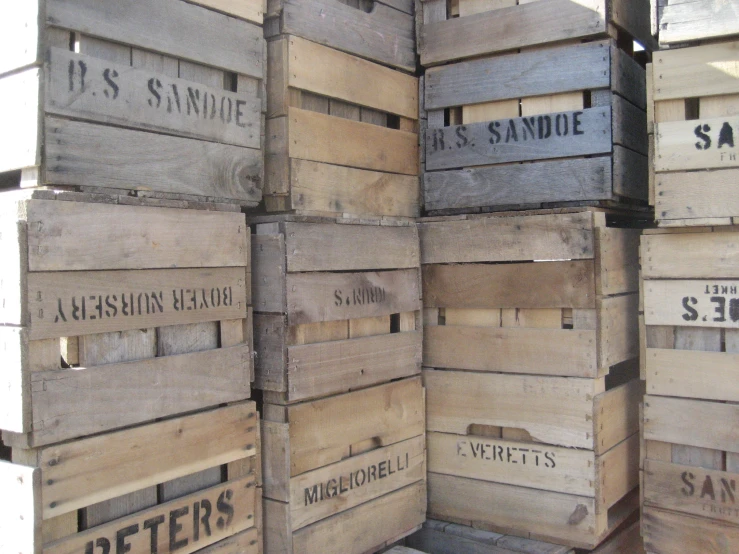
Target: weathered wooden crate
[(691, 468), (679, 22), (694, 104), (552, 458), (550, 292), (378, 30), (345, 474), (114, 315), (161, 97), (342, 133), (337, 307), (174, 486), (451, 31), (691, 450), (251, 10), (558, 125)]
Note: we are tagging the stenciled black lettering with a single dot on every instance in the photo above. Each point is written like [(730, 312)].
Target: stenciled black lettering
[(493, 128), (726, 136), (153, 85), (109, 75), (224, 506), (688, 302), (121, 546), (700, 132), (152, 525), (689, 488), (175, 528)]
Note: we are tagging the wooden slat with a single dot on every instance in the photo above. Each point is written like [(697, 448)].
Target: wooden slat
[(509, 239), (667, 532), (559, 414), (534, 73), (690, 422), (338, 296), (321, 138), (158, 387), (682, 21), (131, 97), (692, 303), (532, 465), (144, 457), (236, 499), (167, 27), (320, 431), (333, 367), (334, 74), (535, 351), (528, 285), (23, 90), (514, 27), (561, 135), (676, 145), (367, 526), (544, 181), (692, 374), (705, 194), (323, 187), (328, 247), (707, 70), (568, 518), (385, 35), (335, 488), (690, 256), (251, 10), (100, 156), (20, 516), (74, 303), (618, 329), (72, 236)]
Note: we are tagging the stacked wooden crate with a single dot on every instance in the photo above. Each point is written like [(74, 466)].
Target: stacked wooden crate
[(337, 279), (126, 286), (531, 328), (690, 285), (342, 128)]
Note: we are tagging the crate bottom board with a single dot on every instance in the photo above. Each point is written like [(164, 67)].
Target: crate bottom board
[(541, 515), (358, 530), (667, 532)]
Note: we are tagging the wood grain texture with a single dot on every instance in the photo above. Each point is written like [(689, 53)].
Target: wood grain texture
[(251, 10), (117, 395), (561, 135), (334, 74), (509, 239), (141, 457), (328, 247), (690, 256), (72, 236), (338, 296), (20, 521), (322, 430), (544, 181), (510, 28), (532, 73), (85, 154), (167, 27), (334, 367), (666, 532), (180, 106), (683, 20), (691, 303), (696, 195), (385, 35), (530, 285), (321, 138)]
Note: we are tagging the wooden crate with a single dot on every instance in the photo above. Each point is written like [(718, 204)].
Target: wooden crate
[(378, 30), (341, 134), (337, 307), (550, 292), (553, 458), (345, 474), (161, 97), (114, 315), (691, 468), (139, 487), (251, 10), (676, 23), (694, 103), (554, 126), (450, 31)]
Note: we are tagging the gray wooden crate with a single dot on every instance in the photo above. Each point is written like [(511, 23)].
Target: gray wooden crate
[(681, 22), (159, 96), (551, 126)]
